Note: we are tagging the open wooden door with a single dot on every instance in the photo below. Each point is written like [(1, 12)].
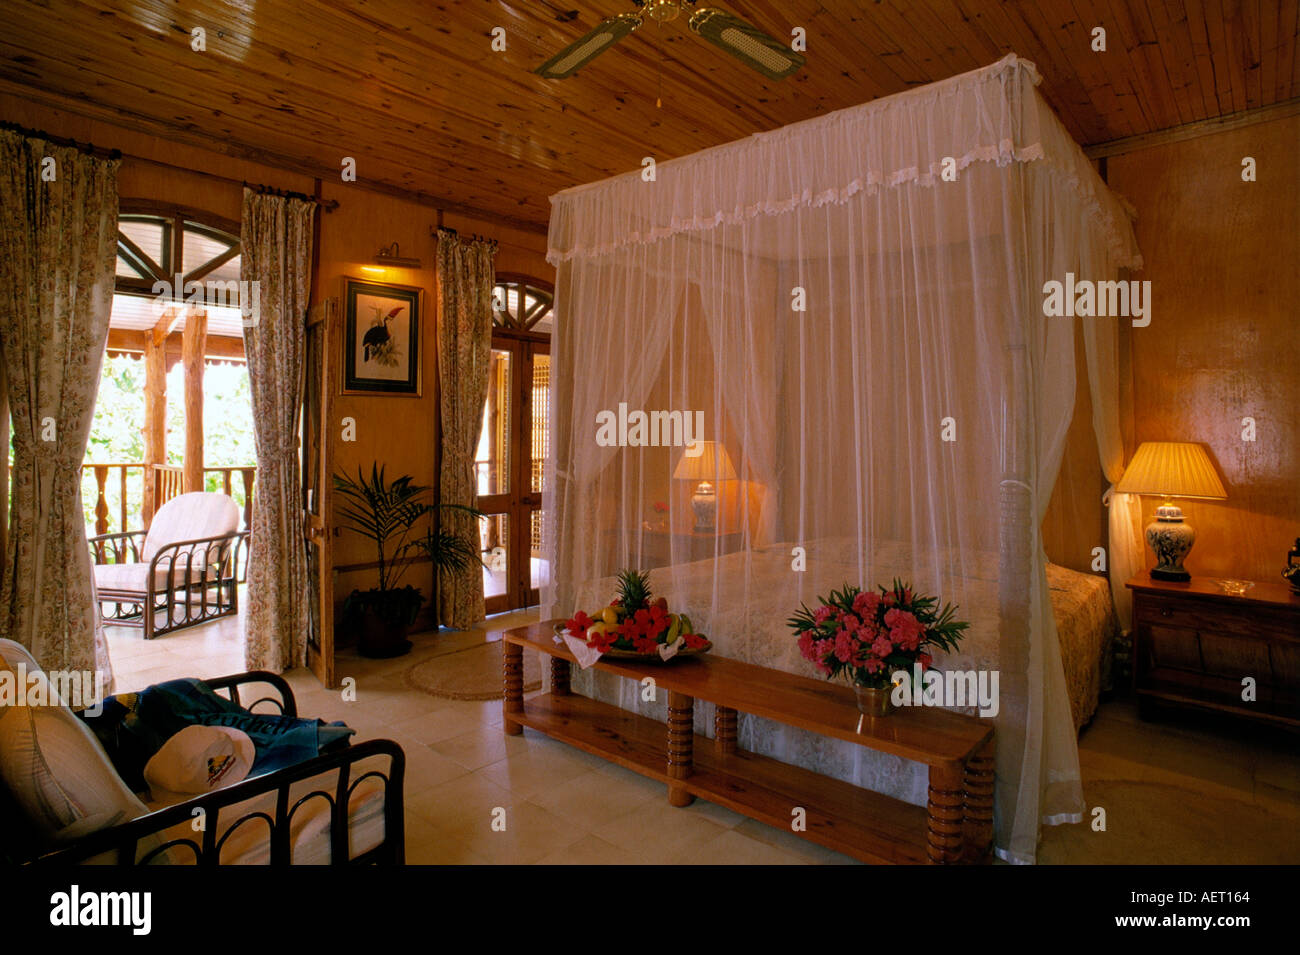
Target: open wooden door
[(509, 469), (318, 427)]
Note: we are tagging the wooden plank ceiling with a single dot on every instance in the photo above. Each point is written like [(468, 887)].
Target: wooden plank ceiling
[(412, 90)]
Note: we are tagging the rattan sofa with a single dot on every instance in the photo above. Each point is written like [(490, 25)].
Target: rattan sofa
[(62, 802)]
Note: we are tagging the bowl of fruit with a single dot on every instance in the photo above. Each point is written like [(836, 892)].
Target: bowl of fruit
[(636, 625)]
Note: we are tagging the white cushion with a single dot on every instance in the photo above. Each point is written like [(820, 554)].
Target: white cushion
[(309, 839), (186, 517), (54, 766), (132, 577)]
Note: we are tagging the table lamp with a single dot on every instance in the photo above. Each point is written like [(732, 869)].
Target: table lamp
[(711, 464), (1169, 469)]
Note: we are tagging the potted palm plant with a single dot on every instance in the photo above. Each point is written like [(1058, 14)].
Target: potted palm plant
[(387, 513), (448, 551)]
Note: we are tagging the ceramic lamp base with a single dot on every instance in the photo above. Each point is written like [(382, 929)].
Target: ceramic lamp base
[(705, 505), (1172, 541)]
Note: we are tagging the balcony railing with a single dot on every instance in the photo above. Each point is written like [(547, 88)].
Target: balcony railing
[(119, 492)]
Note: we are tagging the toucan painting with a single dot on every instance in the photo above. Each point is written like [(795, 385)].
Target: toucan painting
[(378, 344)]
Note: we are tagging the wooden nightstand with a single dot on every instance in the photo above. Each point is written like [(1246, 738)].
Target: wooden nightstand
[(1193, 645)]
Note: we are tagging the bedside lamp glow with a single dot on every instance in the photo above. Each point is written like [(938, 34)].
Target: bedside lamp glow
[(1169, 469), (712, 464)]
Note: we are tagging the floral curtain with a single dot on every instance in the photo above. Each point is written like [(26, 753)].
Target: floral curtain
[(465, 281), (277, 255), (58, 245)]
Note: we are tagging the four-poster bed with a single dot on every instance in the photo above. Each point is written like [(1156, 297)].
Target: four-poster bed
[(855, 304)]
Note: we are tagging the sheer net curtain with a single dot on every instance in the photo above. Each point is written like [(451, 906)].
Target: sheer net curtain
[(867, 342)]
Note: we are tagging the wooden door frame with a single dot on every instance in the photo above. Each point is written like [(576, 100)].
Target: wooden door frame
[(529, 501), (519, 501), (318, 522)]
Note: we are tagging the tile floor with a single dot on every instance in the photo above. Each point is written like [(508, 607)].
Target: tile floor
[(460, 766)]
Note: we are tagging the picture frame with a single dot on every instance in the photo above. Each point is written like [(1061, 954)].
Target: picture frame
[(381, 338)]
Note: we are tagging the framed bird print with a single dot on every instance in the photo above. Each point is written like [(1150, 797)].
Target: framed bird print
[(381, 338)]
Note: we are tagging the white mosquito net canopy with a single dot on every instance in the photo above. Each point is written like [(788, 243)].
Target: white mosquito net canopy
[(852, 308)]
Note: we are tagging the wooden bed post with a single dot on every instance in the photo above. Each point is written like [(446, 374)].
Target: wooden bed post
[(1015, 583)]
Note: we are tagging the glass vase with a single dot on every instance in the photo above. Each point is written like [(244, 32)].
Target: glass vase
[(874, 700)]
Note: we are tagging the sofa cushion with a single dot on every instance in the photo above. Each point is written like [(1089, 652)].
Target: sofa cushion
[(52, 764), (133, 578), (194, 516)]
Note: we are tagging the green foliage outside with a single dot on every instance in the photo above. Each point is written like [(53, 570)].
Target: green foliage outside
[(117, 433)]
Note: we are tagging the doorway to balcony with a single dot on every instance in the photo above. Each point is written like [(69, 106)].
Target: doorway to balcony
[(510, 464), (173, 414)]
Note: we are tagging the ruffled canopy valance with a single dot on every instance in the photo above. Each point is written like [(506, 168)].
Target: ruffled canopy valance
[(990, 115)]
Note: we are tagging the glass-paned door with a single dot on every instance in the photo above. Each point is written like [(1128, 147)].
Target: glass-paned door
[(323, 332), (509, 468)]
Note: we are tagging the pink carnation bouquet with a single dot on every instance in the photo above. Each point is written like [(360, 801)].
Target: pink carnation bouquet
[(870, 635)]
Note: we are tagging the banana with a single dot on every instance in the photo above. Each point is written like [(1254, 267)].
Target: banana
[(674, 628), (686, 624), (610, 615)]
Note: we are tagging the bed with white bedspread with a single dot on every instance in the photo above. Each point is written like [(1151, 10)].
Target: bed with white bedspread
[(750, 625)]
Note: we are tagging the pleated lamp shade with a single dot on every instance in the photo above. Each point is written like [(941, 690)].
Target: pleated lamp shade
[(1172, 469), (711, 464)]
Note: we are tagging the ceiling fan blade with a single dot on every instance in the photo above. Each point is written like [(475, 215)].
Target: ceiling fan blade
[(746, 43), (581, 52)]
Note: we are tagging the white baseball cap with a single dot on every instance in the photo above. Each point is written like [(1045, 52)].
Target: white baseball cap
[(199, 759)]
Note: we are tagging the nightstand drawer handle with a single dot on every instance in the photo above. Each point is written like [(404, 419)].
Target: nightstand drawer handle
[(1166, 612)]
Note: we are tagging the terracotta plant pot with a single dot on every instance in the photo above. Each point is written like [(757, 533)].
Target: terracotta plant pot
[(874, 700)]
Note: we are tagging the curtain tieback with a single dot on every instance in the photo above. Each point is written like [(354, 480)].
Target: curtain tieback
[(45, 452)]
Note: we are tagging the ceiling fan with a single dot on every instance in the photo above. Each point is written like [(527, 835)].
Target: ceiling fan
[(746, 43)]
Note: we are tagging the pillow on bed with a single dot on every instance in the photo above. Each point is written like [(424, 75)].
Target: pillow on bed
[(51, 763)]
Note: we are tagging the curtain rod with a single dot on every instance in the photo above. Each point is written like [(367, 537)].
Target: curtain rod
[(329, 205), (90, 149), (474, 237)]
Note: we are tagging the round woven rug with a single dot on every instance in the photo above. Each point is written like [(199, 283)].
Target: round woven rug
[(473, 674)]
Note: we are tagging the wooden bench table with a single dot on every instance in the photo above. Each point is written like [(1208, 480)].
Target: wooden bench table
[(956, 826)]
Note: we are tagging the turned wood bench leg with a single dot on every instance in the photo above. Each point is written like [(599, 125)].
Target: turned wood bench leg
[(724, 729), (979, 805), (681, 745), (945, 815), (559, 676), (512, 656)]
